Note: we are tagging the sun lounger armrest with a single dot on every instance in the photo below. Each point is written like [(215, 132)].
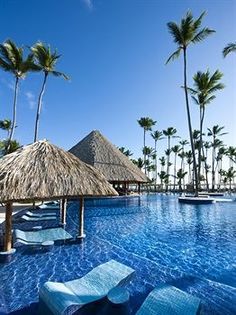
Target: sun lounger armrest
[(57, 297)]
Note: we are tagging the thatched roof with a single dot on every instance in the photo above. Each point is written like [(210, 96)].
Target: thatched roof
[(97, 151), (42, 171)]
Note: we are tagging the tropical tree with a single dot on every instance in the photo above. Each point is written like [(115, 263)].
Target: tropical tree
[(46, 61), (188, 32), (183, 143), (231, 153), (163, 178), (231, 47), (156, 135), (125, 151), (169, 133), (205, 85), (139, 162), (162, 161), (12, 61), (176, 149), (189, 159), (6, 126), (215, 132), (180, 176), (7, 147), (146, 123), (230, 174)]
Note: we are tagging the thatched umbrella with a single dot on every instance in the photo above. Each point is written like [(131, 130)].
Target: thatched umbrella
[(42, 171), (99, 152)]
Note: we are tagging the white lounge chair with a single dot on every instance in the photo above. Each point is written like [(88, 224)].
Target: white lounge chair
[(168, 300), (56, 297), (41, 236)]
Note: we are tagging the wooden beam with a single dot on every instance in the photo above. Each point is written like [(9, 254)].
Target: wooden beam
[(81, 219), (8, 227), (63, 206)]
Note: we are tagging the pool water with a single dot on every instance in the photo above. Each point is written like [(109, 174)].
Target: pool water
[(191, 247)]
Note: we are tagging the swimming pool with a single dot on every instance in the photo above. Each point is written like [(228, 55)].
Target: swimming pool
[(191, 247)]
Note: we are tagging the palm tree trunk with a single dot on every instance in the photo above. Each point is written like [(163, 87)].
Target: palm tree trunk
[(175, 171), (144, 154), (213, 165), (189, 121), (39, 107), (202, 113), (155, 162), (13, 127), (205, 164)]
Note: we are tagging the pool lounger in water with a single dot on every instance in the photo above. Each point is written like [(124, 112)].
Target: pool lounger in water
[(166, 299), (57, 297), (39, 237), (34, 219), (39, 215)]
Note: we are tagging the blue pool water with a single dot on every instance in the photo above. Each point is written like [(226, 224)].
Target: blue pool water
[(191, 247)]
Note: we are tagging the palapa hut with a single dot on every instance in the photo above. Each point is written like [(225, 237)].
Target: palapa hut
[(97, 151), (42, 171)]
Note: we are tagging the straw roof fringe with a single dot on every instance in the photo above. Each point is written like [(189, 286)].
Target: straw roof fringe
[(42, 171), (97, 151)]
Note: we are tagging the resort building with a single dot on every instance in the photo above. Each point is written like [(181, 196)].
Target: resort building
[(97, 151)]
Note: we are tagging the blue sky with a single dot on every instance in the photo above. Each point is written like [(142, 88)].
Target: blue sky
[(114, 52)]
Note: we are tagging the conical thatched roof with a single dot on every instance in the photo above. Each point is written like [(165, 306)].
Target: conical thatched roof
[(42, 171), (97, 151)]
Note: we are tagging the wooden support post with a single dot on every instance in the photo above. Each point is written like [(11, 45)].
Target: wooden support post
[(81, 219), (8, 227), (139, 188), (63, 207)]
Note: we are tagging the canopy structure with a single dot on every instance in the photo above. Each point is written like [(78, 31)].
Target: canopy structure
[(42, 171), (97, 151)]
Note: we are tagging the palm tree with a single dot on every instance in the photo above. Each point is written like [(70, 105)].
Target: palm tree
[(176, 149), (6, 125), (12, 60), (163, 178), (125, 151), (231, 47), (215, 132), (189, 159), (230, 174), (221, 152), (188, 32), (46, 62), (162, 161), (146, 123), (169, 133), (138, 162), (180, 176), (205, 85), (183, 143), (156, 135), (231, 153)]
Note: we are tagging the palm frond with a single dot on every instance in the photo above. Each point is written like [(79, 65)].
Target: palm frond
[(205, 32), (175, 55), (231, 47), (60, 74)]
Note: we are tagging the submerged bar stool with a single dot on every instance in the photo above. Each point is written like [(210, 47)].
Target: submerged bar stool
[(117, 302)]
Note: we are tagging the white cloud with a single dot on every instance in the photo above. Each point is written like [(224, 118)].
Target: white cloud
[(31, 99), (88, 3)]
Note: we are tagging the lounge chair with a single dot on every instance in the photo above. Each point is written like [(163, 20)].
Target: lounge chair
[(50, 205), (34, 219), (41, 236), (39, 215), (57, 298), (168, 300)]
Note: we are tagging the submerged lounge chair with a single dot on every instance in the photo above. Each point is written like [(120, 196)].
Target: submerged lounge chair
[(168, 300), (57, 298), (39, 237), (34, 219), (39, 215)]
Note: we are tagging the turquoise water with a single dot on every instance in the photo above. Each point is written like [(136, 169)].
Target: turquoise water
[(191, 247)]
